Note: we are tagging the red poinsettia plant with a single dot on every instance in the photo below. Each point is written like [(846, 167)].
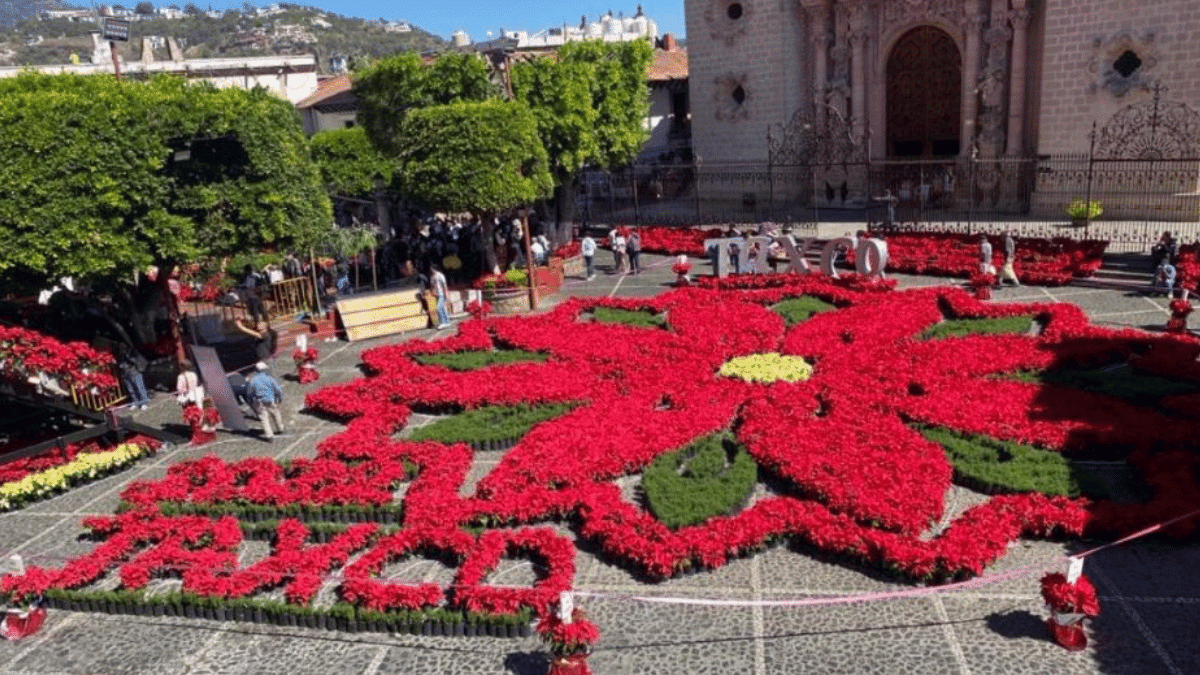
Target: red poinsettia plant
[(27, 355), (1066, 598), (1180, 308), (303, 356), (478, 309), (204, 415), (982, 284), (568, 639), (568, 250)]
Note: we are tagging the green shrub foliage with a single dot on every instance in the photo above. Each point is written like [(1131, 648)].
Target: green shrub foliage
[(796, 310), (713, 476), (960, 327), (629, 317), (990, 465), (103, 178), (1140, 388)]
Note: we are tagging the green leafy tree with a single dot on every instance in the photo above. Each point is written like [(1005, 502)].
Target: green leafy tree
[(349, 164), (389, 88), (103, 179), (478, 157), (560, 95), (591, 105)]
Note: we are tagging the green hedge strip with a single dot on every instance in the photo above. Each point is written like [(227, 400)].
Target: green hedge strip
[(491, 423), (1144, 389), (474, 360)]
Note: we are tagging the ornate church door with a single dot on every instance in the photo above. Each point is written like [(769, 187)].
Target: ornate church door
[(924, 91)]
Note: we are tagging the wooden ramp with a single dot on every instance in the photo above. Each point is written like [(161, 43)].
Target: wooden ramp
[(369, 316)]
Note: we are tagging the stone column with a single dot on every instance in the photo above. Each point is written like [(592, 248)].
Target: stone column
[(858, 69), (992, 120), (818, 33), (970, 77), (1016, 87)]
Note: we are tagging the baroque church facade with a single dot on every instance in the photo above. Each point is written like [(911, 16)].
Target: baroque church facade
[(825, 92)]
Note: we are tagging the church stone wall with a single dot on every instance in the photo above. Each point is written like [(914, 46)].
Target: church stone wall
[(1082, 41), (757, 52)]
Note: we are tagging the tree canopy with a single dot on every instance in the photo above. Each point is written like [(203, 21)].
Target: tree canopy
[(388, 88), (591, 104), (102, 178), (619, 95), (349, 164), (482, 157), (588, 101)]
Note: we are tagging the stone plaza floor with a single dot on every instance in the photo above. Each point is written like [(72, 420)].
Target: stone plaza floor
[(1150, 598)]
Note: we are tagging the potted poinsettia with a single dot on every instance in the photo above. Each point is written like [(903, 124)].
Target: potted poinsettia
[(569, 643), (1070, 603), (681, 269), (1180, 308), (203, 419), (305, 370)]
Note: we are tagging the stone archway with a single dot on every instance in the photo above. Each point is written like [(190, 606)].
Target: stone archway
[(924, 94)]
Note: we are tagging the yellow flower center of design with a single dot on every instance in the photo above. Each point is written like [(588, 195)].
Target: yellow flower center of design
[(767, 368)]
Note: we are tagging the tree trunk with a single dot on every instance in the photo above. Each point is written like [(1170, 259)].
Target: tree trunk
[(487, 229)]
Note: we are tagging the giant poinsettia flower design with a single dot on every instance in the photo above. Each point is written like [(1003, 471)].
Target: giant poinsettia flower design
[(860, 481), (849, 475)]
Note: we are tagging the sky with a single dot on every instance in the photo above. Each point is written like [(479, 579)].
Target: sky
[(477, 17)]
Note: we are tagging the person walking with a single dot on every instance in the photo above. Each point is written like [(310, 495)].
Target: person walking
[(619, 247), (612, 244), (188, 390), (985, 256), (587, 248), (1009, 271), (265, 396), (437, 284), (265, 339), (133, 366), (249, 290), (633, 246)]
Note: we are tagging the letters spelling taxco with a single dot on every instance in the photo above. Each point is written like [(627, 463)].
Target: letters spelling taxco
[(870, 254)]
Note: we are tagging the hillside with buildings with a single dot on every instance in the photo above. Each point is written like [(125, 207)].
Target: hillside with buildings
[(59, 34)]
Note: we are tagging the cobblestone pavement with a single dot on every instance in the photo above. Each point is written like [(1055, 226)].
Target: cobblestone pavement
[(1150, 596)]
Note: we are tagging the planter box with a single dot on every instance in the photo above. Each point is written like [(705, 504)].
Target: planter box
[(508, 300)]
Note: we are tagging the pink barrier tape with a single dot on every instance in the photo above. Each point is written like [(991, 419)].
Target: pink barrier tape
[(1138, 534)]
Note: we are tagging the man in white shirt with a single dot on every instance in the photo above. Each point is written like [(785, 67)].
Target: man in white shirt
[(437, 284), (587, 248)]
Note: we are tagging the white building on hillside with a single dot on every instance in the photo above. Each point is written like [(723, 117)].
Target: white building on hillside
[(609, 28)]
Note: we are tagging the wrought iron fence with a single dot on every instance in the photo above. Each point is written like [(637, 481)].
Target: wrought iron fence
[(1141, 198)]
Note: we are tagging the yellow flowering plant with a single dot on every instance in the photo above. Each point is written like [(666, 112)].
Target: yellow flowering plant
[(767, 368), (85, 466)]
